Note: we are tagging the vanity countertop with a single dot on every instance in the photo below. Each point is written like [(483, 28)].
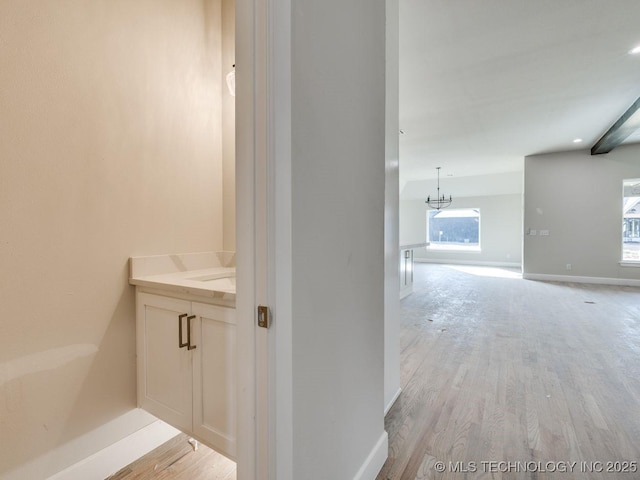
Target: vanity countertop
[(200, 274)]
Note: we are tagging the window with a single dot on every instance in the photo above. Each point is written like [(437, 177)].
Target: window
[(631, 221), (454, 229)]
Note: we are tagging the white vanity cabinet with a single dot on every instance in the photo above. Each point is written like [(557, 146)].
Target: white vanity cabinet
[(187, 366)]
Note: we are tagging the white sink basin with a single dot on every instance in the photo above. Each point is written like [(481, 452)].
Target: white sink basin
[(227, 284), (222, 282), (213, 276)]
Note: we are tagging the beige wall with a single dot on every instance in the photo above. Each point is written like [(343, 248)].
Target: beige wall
[(228, 127), (110, 146)]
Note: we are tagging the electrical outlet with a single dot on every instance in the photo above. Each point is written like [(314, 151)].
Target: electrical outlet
[(544, 233), (568, 266)]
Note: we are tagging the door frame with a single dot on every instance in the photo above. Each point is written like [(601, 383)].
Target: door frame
[(263, 240), (263, 235), (246, 447)]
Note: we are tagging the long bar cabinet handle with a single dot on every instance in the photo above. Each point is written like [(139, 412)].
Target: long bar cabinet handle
[(189, 346), (180, 342)]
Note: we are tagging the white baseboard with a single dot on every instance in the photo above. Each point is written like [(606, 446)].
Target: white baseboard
[(627, 282), (109, 460), (467, 262), (392, 401), (375, 460)]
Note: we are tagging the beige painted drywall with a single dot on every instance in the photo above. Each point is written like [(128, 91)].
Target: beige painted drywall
[(110, 146), (228, 127)]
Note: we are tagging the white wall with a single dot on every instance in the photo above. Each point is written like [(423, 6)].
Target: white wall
[(506, 183), (391, 214), (109, 147), (578, 198), (337, 254), (500, 230), (413, 222)]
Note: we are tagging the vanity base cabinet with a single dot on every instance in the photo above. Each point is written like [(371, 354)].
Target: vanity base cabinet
[(164, 370), (187, 367), (214, 377)]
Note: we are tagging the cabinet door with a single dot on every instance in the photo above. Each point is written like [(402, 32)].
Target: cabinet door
[(164, 369), (214, 377)]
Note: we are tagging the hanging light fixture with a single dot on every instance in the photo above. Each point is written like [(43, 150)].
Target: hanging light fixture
[(440, 201)]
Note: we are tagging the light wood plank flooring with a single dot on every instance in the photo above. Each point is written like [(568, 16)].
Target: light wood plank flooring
[(177, 460), (497, 369), (508, 370)]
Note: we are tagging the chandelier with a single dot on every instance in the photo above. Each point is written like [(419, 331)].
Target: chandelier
[(440, 201)]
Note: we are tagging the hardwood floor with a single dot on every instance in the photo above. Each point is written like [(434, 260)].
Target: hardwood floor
[(177, 460), (535, 374), (496, 369)]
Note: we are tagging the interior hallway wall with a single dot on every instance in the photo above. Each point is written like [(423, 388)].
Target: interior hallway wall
[(337, 221), (391, 212), (109, 147)]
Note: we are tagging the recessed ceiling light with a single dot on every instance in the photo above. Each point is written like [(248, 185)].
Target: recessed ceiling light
[(635, 50), (577, 140)]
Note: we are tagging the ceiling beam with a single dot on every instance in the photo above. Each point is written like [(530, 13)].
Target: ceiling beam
[(628, 123)]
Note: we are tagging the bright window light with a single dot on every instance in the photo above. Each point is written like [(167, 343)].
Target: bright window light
[(487, 271), (454, 229), (631, 220)]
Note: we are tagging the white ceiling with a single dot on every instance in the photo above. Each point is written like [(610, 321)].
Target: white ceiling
[(483, 83)]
